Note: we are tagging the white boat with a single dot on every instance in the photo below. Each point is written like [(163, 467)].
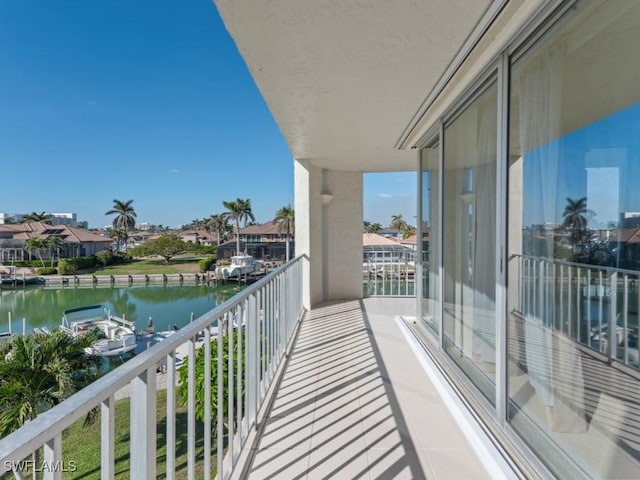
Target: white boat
[(240, 265), (119, 333)]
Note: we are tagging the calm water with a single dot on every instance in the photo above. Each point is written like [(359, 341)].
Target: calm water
[(166, 304)]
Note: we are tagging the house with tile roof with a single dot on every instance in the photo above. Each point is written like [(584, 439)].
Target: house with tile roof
[(264, 242), (199, 237), (76, 241)]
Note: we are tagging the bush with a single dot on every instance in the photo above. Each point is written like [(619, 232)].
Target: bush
[(183, 373), (27, 263), (206, 263), (46, 271), (69, 266), (105, 257)]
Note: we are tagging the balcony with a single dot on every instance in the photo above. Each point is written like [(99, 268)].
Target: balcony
[(332, 392)]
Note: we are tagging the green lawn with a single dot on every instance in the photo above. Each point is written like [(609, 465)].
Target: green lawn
[(82, 444), (149, 266)]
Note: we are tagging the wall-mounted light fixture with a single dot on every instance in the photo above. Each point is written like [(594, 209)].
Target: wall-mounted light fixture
[(326, 198)]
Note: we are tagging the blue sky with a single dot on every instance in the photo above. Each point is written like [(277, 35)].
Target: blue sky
[(143, 100)]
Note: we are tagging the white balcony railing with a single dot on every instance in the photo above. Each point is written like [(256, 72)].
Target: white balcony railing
[(265, 315), (389, 273), (584, 302)]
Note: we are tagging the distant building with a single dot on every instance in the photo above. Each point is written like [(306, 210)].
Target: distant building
[(76, 242), (377, 249), (199, 237), (263, 242), (10, 218), (629, 219), (70, 219)]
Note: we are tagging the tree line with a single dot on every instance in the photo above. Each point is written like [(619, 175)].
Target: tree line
[(397, 223), (224, 225)]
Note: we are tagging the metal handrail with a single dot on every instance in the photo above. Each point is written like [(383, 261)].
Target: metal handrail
[(267, 312), (590, 304), (393, 275)]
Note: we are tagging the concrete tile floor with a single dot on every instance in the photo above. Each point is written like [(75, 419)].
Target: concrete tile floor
[(355, 404)]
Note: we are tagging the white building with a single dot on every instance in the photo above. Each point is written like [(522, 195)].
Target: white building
[(69, 219), (10, 218), (505, 108), (510, 111)]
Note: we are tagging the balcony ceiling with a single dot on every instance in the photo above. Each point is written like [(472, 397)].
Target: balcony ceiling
[(344, 78)]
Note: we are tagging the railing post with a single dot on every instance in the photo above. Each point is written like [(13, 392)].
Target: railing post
[(107, 436), (253, 359), (207, 403), (171, 416), (230, 385), (219, 399), (625, 319), (143, 425), (191, 409), (53, 458), (613, 313)]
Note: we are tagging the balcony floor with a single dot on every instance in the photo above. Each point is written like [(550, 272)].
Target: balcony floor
[(355, 403)]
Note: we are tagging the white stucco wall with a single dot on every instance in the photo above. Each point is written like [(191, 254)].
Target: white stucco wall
[(344, 235), (329, 234)]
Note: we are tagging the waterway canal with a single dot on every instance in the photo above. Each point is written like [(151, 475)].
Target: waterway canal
[(167, 304)]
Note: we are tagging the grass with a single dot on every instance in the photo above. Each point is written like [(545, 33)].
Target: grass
[(149, 266), (82, 444)]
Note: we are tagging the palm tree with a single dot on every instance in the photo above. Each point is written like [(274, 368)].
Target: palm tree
[(287, 219), (125, 216), (369, 227), (39, 371), (36, 217), (218, 223), (397, 222), (54, 243), (245, 208), (238, 210), (575, 220), (35, 244), (408, 231), (120, 236)]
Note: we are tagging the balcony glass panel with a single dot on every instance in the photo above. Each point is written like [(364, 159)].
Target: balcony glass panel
[(573, 235), (430, 166), (469, 219)]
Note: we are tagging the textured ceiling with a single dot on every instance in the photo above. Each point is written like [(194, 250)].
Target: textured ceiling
[(344, 78)]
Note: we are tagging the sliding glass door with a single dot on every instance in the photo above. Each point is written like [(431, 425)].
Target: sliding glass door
[(469, 238)]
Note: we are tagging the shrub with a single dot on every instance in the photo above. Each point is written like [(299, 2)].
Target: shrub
[(69, 266), (105, 257), (46, 271), (28, 263), (206, 263), (183, 373)]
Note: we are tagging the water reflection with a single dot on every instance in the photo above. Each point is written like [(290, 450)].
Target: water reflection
[(165, 304)]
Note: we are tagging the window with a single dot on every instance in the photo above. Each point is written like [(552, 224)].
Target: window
[(573, 271), (469, 219), (430, 166)]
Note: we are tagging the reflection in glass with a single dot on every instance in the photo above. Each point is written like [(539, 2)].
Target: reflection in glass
[(469, 221), (573, 236), (430, 160)]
